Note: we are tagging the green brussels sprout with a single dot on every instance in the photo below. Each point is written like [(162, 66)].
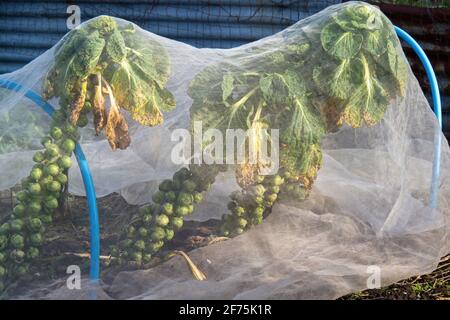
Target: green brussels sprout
[(189, 186), (70, 129), (171, 196), (166, 185), (36, 174), (114, 251), (16, 225), (275, 189), (277, 180), (146, 257), (272, 197), (137, 257), (258, 211), (158, 234), (238, 211), (167, 208), (241, 222), (256, 220), (33, 253), (21, 270), (51, 202), (131, 231), (140, 244), (2, 257), (162, 220), (22, 195), (190, 208), (69, 145), (52, 150), (238, 230), (17, 255), (198, 197), (19, 209), (47, 219), (184, 199), (2, 272), (35, 207), (158, 197), (3, 241), (170, 234), (38, 157), (45, 180), (54, 186), (4, 228), (65, 162), (224, 231), (147, 219), (259, 179), (36, 239), (59, 116), (258, 190), (52, 169), (142, 232), (177, 223), (46, 141), (182, 211), (155, 246), (34, 188), (62, 178), (145, 210), (127, 243), (56, 133), (259, 200), (35, 224), (87, 108), (82, 121)]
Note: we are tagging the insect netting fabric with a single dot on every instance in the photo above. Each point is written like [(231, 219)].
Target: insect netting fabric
[(331, 192)]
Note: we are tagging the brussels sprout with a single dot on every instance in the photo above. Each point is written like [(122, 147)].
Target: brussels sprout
[(127, 243), (275, 189), (62, 178), (56, 133), (190, 208), (137, 257), (225, 232), (171, 196), (145, 210), (198, 197), (162, 220), (259, 200), (34, 188), (155, 246), (142, 232), (22, 270), (182, 211), (238, 230), (259, 179), (114, 251), (47, 219), (238, 211), (19, 209), (184, 199), (189, 186), (2, 272), (177, 223), (70, 130), (3, 241), (82, 121), (35, 224), (59, 116), (52, 169), (38, 157), (166, 185), (147, 219), (272, 197), (170, 234), (87, 108), (158, 234), (146, 257), (158, 197), (241, 222), (36, 174), (4, 228), (140, 244), (46, 141), (256, 220), (45, 180), (16, 225), (22, 195), (167, 208), (54, 186), (51, 202), (258, 190), (32, 253), (65, 162), (17, 255), (35, 207), (258, 211), (36, 239), (68, 145), (131, 231), (52, 150)]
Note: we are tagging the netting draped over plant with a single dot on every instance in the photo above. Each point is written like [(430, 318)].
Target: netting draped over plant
[(344, 184)]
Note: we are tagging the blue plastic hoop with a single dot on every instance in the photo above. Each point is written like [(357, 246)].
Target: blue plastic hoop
[(87, 180), (437, 110)]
